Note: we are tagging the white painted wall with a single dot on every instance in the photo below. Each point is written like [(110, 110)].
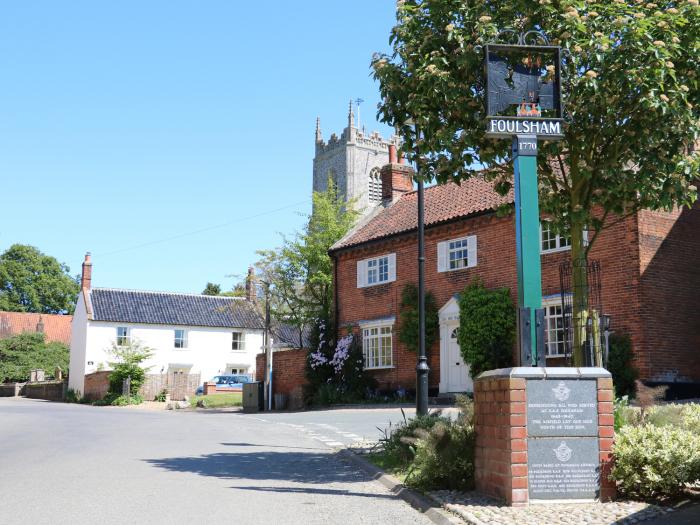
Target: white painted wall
[(76, 368), (208, 349)]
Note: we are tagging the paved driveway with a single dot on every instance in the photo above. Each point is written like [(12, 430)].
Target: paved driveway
[(78, 464)]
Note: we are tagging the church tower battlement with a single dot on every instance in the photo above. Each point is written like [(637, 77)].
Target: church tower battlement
[(352, 161)]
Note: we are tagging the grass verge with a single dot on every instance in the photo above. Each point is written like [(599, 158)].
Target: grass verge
[(234, 399), (388, 464)]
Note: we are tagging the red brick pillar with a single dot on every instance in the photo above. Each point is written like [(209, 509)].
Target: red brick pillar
[(606, 437), (501, 439), (209, 388)]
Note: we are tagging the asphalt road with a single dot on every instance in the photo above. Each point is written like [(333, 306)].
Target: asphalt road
[(78, 464)]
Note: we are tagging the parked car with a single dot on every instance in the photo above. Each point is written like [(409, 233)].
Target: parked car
[(232, 383)]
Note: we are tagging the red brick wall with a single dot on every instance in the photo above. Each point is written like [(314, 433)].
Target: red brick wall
[(670, 294), (616, 248), (288, 374), (96, 385)]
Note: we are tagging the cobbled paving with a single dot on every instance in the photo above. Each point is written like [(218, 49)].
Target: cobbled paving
[(479, 510)]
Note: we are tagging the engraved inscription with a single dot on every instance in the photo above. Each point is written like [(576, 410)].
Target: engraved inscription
[(562, 408), (563, 468)]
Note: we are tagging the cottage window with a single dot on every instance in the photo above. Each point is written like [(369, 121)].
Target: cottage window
[(237, 341), (123, 336), (375, 271), (376, 346), (553, 242), (456, 254), (555, 335), (180, 339)]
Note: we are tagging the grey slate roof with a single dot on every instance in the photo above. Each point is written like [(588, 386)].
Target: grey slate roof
[(143, 307), (285, 335)]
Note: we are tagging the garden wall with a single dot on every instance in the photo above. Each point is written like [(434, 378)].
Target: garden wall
[(11, 389), (96, 385), (288, 374), (49, 390)]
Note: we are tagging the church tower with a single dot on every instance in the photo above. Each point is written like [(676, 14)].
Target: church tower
[(352, 161)]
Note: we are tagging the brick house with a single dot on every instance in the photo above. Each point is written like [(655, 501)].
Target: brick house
[(650, 278)]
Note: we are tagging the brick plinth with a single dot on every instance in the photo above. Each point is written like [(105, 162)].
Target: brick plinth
[(501, 439), (500, 405)]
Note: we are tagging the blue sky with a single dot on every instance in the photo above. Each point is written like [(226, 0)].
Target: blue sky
[(126, 123)]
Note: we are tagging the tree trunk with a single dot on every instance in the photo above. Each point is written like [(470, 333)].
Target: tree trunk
[(579, 285)]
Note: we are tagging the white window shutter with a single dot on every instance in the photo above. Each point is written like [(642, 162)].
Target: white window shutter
[(442, 256), (471, 247), (361, 274), (392, 267)]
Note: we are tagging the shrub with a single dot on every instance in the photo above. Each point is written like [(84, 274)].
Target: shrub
[(486, 328), (691, 418), (73, 396), (113, 399), (130, 357), (445, 457), (620, 365), (21, 353), (399, 441), (655, 462), (408, 318), (162, 395)]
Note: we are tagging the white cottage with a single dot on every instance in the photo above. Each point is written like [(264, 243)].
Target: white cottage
[(190, 334)]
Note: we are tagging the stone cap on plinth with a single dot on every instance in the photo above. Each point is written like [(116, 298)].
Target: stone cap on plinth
[(547, 372)]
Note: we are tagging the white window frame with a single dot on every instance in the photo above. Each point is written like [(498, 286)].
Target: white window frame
[(550, 327), (444, 249), (369, 270), (240, 343), (378, 345), (183, 339), (558, 239), (124, 340)]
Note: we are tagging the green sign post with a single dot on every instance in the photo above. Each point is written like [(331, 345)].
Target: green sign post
[(521, 85)]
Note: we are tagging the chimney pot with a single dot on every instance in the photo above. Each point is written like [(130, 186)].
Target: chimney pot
[(392, 154)]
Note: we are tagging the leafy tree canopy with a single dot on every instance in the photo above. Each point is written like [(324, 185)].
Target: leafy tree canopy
[(212, 289), (300, 272), (21, 353), (31, 281), (631, 89)]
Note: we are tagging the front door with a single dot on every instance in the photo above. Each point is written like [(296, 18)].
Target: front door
[(458, 379)]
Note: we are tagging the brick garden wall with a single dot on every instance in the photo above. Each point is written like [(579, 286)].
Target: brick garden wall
[(288, 376), (617, 248), (96, 385), (49, 390)]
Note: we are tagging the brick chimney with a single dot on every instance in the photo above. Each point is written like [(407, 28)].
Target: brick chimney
[(86, 279), (250, 290), (397, 177)]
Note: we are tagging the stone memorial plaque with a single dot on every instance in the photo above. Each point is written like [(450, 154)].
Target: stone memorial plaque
[(563, 468), (562, 407)]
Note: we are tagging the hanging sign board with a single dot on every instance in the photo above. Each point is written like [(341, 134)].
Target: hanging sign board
[(523, 88)]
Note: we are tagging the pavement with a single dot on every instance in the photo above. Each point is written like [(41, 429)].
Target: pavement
[(78, 464)]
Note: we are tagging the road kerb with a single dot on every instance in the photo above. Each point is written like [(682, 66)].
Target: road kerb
[(430, 507)]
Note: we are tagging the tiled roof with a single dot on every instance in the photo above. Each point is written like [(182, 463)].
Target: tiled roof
[(286, 336), (443, 203), (143, 307), (56, 327)]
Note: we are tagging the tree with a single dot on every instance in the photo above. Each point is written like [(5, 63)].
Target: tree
[(33, 282), (21, 353), (212, 289), (408, 318), (129, 358), (486, 327), (631, 94), (300, 272)]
